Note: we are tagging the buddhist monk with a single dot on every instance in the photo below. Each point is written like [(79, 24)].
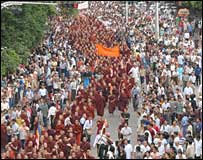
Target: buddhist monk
[(77, 129), (112, 103), (100, 104)]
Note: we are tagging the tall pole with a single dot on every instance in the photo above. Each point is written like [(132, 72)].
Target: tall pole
[(157, 20), (126, 12)]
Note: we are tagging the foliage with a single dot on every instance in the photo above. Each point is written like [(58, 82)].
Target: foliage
[(68, 11), (193, 4), (9, 61), (22, 29)]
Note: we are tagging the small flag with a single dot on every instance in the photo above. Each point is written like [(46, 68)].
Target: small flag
[(104, 126), (38, 134)]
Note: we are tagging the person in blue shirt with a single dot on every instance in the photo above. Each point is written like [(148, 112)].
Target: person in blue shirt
[(180, 71), (135, 97), (197, 126), (190, 29), (184, 123), (198, 71), (86, 79)]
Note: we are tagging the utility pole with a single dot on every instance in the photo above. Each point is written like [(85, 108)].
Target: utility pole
[(126, 12), (157, 20)]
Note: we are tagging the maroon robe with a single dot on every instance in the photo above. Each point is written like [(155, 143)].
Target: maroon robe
[(99, 125), (3, 135), (74, 118), (90, 110), (122, 102), (85, 146), (79, 155), (112, 103), (50, 145), (100, 104), (72, 141), (58, 128)]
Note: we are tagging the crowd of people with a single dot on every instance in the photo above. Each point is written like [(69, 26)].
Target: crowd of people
[(49, 106)]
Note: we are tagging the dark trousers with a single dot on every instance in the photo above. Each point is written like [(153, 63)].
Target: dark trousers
[(32, 122), (101, 152), (73, 94), (135, 103), (197, 80), (52, 121), (45, 121), (22, 143), (142, 79), (197, 157)]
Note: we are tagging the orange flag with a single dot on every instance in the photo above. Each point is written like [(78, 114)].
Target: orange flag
[(110, 52)]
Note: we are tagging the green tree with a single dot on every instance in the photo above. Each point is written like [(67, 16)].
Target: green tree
[(9, 61), (193, 4), (22, 29), (68, 11)]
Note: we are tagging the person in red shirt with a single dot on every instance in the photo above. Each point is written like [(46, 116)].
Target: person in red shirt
[(90, 108), (151, 129), (11, 153), (100, 104), (61, 155), (3, 135), (121, 125), (100, 123), (29, 148), (77, 129), (156, 127), (59, 126), (84, 145), (112, 99)]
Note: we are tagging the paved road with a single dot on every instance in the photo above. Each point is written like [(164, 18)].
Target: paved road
[(114, 121)]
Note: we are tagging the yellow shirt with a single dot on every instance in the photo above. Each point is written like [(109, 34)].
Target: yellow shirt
[(19, 121)]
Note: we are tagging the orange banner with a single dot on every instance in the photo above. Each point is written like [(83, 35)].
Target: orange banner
[(110, 52)]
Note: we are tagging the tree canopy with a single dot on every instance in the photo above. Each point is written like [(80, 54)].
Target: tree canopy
[(193, 4), (22, 28)]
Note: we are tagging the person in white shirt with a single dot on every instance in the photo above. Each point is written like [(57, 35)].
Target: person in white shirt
[(192, 78), (177, 146), (187, 35), (188, 90), (198, 147), (181, 59), (73, 86), (4, 104), (43, 91), (29, 94), (83, 119), (67, 121), (145, 147), (165, 127), (174, 128), (165, 105), (161, 148), (51, 115), (126, 131), (128, 149), (147, 156), (15, 127), (23, 131), (190, 150), (88, 125), (180, 155), (99, 139), (147, 132), (135, 73)]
